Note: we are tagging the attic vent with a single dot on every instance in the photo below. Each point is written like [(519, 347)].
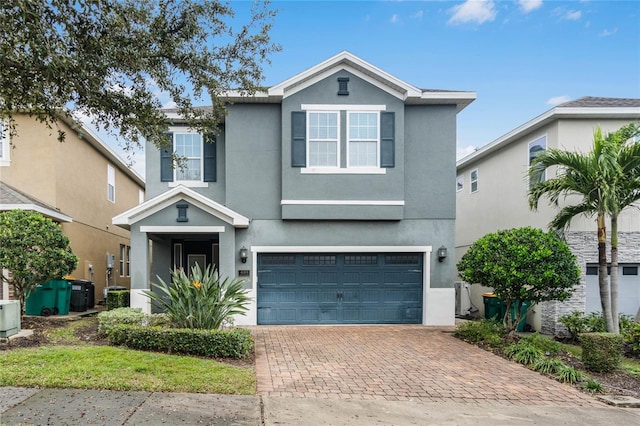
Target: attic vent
[(182, 212), (343, 90)]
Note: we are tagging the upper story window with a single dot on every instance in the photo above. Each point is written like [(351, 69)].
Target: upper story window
[(473, 180), (189, 147), (459, 183), (324, 139), (5, 144), (320, 143), (111, 183), (536, 147), (363, 139), (198, 158)]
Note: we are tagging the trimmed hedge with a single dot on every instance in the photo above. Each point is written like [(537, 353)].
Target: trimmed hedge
[(107, 320), (118, 299), (602, 352), (235, 343)]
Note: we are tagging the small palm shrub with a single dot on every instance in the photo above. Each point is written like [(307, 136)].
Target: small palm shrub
[(632, 337), (485, 331), (202, 300), (575, 323), (568, 374), (524, 353), (548, 365)]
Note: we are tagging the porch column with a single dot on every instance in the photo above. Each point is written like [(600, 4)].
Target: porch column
[(139, 269)]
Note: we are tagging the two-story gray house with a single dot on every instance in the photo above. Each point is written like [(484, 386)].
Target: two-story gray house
[(329, 193)]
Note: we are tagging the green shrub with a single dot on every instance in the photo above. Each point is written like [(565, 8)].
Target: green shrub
[(235, 343), (202, 300), (632, 336), (568, 374), (575, 323), (595, 323), (601, 352), (626, 322), (481, 331), (107, 320), (524, 353), (545, 344), (593, 386), (548, 365), (118, 299)]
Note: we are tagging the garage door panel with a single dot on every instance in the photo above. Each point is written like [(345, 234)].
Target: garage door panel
[(628, 289), (340, 288)]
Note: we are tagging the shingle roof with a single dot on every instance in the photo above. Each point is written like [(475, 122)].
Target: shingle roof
[(12, 198), (594, 102)]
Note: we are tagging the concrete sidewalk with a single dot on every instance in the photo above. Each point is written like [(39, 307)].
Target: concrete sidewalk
[(92, 407)]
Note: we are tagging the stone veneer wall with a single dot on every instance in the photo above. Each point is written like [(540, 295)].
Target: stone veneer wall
[(584, 246)]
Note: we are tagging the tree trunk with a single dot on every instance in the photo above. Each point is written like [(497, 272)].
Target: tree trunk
[(603, 278), (613, 278)]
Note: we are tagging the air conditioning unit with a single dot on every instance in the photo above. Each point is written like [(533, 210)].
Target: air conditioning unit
[(9, 318), (463, 298)]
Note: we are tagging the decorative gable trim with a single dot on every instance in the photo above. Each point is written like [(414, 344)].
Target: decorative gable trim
[(169, 198)]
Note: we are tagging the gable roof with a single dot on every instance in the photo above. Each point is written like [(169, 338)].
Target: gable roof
[(13, 199), (404, 91), (585, 107), (168, 198)]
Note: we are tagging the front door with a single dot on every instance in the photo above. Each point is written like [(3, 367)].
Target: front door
[(189, 252)]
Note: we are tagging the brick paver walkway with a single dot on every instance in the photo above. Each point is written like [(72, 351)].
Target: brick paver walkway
[(396, 363)]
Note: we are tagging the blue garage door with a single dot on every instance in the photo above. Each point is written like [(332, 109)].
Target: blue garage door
[(340, 288)]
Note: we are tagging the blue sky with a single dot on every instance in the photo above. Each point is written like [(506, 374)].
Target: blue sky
[(521, 57)]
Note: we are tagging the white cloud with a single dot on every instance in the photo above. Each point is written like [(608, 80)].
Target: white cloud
[(394, 19), (529, 5), (417, 15), (478, 11), (463, 151), (607, 33), (557, 100), (573, 15)]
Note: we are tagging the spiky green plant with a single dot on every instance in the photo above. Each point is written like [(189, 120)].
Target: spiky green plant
[(568, 374), (548, 365), (524, 353), (593, 386), (202, 300)]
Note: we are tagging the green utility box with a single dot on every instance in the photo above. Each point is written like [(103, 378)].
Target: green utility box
[(41, 301)]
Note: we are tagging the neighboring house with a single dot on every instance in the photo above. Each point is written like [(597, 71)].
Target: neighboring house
[(492, 187), (80, 183), (328, 193)]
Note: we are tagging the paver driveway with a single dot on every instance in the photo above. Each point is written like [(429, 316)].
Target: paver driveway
[(396, 363)]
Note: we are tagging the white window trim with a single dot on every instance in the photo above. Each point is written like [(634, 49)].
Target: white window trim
[(471, 191), (458, 178), (111, 182), (338, 142), (127, 263), (338, 108), (343, 202), (189, 183), (377, 166), (5, 159), (546, 145), (121, 261)]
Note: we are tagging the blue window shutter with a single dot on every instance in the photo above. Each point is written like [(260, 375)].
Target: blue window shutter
[(209, 158), (387, 139), (298, 139), (166, 163)]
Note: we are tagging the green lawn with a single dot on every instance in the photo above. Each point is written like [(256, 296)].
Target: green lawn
[(107, 367)]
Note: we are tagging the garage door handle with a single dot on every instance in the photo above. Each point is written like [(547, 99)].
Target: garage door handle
[(339, 295), (415, 270)]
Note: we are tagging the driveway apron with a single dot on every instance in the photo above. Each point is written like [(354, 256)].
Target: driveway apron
[(396, 363)]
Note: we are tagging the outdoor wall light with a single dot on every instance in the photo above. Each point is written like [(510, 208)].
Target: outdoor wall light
[(243, 254), (442, 253)]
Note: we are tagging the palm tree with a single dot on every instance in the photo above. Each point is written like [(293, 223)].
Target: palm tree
[(627, 192), (606, 180)]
